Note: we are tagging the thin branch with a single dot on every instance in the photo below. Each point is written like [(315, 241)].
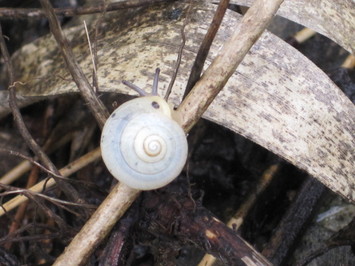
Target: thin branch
[(26, 228), (224, 65), (16, 172), (181, 49), (96, 107), (50, 213), (36, 13), (95, 80), (14, 190), (93, 59), (18, 154), (205, 46), (68, 190), (31, 238), (98, 226), (25, 166), (34, 197), (65, 172)]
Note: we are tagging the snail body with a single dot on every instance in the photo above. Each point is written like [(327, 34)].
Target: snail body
[(142, 146)]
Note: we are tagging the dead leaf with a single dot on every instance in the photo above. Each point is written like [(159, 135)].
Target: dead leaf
[(334, 19)]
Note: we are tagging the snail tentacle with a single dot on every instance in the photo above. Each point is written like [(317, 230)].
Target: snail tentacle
[(140, 91), (155, 82)]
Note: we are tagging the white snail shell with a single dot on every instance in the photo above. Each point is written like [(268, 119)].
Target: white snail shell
[(142, 146)]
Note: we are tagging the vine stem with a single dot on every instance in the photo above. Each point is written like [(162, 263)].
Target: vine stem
[(121, 197)]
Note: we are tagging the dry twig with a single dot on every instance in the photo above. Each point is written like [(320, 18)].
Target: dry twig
[(18, 154), (224, 65), (21, 211), (66, 171), (181, 49), (25, 166), (205, 46), (96, 107)]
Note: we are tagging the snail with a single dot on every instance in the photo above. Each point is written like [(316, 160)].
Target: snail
[(142, 146)]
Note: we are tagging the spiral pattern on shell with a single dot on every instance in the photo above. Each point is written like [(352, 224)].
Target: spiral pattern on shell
[(142, 146)]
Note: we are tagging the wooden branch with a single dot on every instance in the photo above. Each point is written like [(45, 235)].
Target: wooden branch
[(298, 215), (181, 49), (96, 107), (224, 65), (247, 32), (20, 155), (65, 172), (98, 226), (205, 46)]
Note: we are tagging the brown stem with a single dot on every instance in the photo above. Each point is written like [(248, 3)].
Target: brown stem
[(297, 216), (98, 226), (96, 107), (20, 155), (181, 49), (205, 46), (229, 57)]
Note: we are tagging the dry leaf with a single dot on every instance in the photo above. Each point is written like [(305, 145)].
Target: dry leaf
[(334, 19)]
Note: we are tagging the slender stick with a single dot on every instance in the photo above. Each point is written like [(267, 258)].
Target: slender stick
[(224, 65), (98, 226), (181, 49), (25, 166), (205, 46), (20, 155), (65, 172), (97, 108)]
